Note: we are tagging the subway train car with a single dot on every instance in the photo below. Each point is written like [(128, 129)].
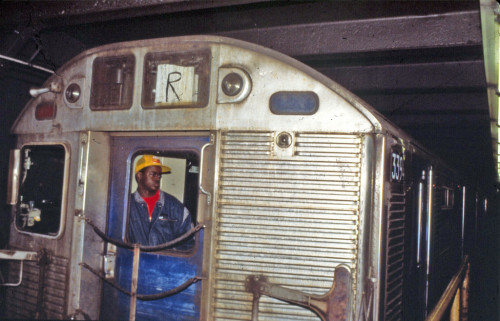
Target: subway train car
[(306, 203)]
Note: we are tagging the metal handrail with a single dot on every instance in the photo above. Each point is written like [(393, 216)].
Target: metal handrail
[(448, 294), (200, 176), (17, 256)]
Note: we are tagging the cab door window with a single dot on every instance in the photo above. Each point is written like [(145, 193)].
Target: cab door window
[(39, 205), (163, 199)]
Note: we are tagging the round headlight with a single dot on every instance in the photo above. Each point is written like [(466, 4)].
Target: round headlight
[(73, 93), (232, 84)]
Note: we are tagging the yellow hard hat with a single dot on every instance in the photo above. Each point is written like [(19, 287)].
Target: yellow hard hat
[(150, 160)]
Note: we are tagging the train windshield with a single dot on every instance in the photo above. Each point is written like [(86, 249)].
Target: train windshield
[(112, 83), (176, 80), (39, 206)]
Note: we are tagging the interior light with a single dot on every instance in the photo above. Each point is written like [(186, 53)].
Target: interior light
[(45, 111)]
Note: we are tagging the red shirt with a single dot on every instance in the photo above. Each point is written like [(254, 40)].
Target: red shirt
[(151, 201)]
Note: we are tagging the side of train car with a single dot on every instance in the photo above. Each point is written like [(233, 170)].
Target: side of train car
[(308, 205)]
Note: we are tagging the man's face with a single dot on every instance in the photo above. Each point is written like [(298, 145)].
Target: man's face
[(149, 179)]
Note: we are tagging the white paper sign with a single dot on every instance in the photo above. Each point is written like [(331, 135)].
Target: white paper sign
[(176, 84)]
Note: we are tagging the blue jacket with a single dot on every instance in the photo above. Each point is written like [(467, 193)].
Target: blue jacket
[(170, 219)]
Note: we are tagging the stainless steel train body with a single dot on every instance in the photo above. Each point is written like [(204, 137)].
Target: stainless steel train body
[(290, 178)]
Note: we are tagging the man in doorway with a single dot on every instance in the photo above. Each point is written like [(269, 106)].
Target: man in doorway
[(156, 217)]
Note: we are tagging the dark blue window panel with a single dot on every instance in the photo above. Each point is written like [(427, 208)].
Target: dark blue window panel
[(294, 103)]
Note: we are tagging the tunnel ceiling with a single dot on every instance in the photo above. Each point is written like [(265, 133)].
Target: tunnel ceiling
[(419, 63)]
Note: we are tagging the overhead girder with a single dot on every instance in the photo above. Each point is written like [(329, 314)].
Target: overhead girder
[(68, 12), (457, 100), (454, 29)]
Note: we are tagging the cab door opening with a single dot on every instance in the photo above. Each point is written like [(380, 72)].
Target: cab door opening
[(166, 269)]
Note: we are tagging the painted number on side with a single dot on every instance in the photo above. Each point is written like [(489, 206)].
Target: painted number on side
[(397, 168)]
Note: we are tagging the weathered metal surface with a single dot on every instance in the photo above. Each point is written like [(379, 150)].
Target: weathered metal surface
[(339, 303), (339, 111), (43, 261), (332, 306), (18, 255), (288, 218), (91, 185), (22, 301), (55, 282)]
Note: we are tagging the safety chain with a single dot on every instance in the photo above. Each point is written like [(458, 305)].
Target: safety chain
[(144, 248), (145, 297)]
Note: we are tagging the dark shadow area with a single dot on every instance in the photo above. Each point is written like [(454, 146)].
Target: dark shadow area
[(485, 267), (13, 97)]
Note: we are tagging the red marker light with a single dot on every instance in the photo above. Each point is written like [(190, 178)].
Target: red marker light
[(45, 111)]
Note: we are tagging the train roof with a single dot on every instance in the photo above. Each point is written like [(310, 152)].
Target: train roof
[(268, 70)]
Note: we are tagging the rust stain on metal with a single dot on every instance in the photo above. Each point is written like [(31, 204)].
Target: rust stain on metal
[(332, 306), (338, 298)]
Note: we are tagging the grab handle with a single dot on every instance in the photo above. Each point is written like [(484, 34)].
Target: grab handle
[(17, 256), (200, 177)]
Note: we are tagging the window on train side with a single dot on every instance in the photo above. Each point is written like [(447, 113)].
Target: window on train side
[(112, 83), (40, 202), (163, 199), (447, 198)]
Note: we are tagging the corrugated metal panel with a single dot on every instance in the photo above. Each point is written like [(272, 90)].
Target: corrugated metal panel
[(21, 300), (292, 219), (395, 257)]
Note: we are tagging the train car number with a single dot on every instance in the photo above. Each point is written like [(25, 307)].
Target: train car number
[(397, 167)]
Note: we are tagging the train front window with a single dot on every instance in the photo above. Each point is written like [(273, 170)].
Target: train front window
[(176, 80), (163, 199), (112, 83), (39, 205)]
